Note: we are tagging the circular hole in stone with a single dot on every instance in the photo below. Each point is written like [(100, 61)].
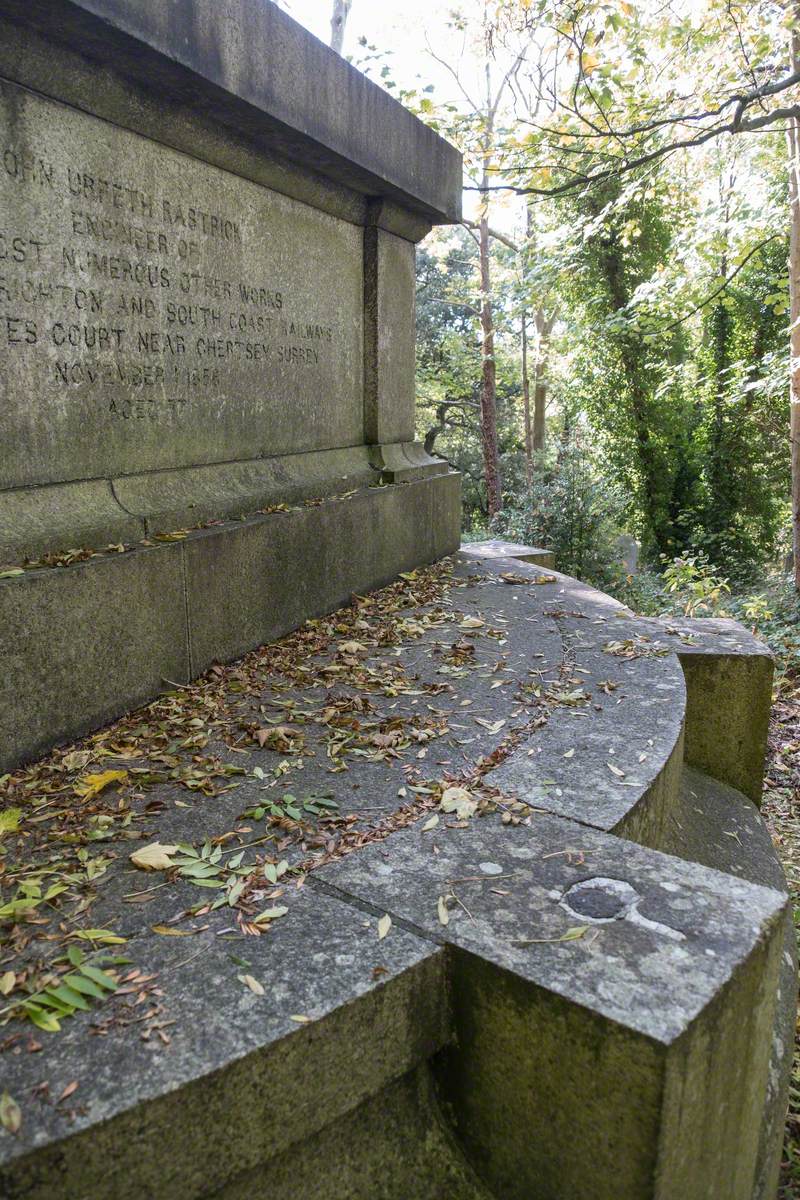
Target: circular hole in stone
[(600, 899)]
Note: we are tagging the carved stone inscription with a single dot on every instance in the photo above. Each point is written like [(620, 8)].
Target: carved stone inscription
[(158, 312)]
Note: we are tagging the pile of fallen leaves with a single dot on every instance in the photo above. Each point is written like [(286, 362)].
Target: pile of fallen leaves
[(67, 818)]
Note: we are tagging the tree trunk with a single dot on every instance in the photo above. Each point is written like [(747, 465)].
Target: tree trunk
[(526, 403), (491, 458), (544, 327), (793, 137), (341, 11), (488, 379)]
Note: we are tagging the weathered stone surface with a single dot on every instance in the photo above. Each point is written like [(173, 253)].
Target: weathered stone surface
[(395, 1146), (82, 644), (622, 697), (587, 1058), (728, 696), (63, 516), (240, 1079), (389, 361), (167, 500), (157, 302), (713, 824), (203, 262)]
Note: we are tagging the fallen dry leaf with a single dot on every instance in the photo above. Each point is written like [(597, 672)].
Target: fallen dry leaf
[(10, 1113), (253, 984), (384, 925), (459, 801), (92, 785), (154, 857)]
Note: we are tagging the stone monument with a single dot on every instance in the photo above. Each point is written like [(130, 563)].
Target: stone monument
[(207, 235), (460, 892)]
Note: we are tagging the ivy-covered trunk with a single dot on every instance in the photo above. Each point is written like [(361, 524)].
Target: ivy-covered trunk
[(793, 137)]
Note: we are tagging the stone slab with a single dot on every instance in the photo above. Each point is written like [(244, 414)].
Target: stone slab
[(620, 697), (728, 698), (496, 548), (635, 1055), (239, 1077), (97, 513)]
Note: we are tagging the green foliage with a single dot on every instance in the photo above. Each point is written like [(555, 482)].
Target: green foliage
[(573, 511), (773, 613), (693, 580), (449, 368), (64, 994)]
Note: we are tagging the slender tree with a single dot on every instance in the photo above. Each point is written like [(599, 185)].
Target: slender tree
[(341, 11), (793, 142)]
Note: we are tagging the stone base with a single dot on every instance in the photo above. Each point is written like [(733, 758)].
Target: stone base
[(95, 513), (83, 644)]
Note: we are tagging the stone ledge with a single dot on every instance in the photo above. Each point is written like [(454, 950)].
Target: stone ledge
[(95, 513), (82, 644), (496, 548), (238, 1077), (623, 1019)]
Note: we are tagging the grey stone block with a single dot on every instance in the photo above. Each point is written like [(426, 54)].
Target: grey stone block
[(241, 1081), (594, 1019), (253, 581), (713, 824), (728, 697), (620, 716), (628, 1062), (80, 645)]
